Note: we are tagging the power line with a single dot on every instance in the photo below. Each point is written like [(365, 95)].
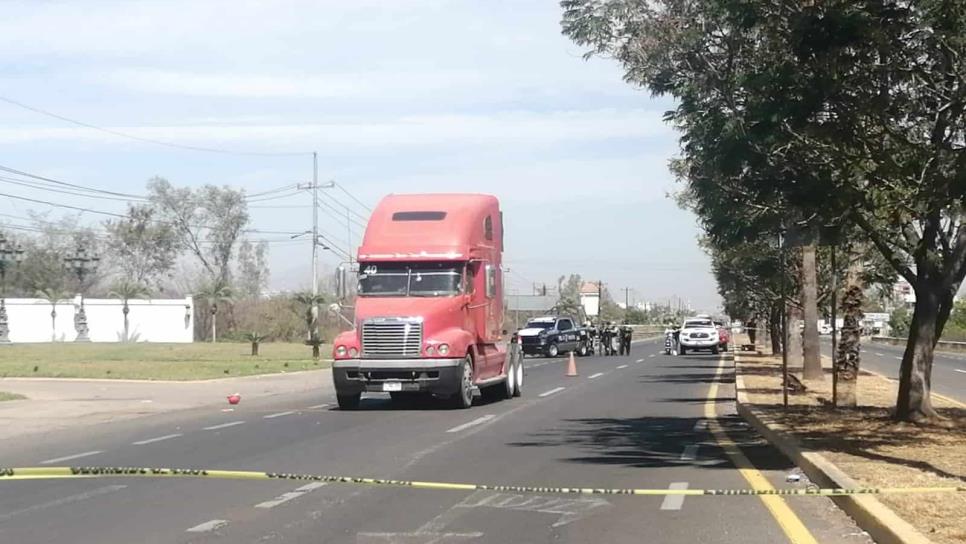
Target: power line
[(272, 191), (335, 210), (357, 201), (148, 140), (347, 209), (73, 185), (42, 187)]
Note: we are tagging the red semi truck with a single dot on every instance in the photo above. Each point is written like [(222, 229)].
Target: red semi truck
[(429, 306)]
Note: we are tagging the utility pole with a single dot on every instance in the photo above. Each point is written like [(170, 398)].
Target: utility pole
[(600, 301), (627, 304)]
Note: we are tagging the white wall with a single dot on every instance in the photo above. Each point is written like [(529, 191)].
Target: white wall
[(591, 304), (150, 320)]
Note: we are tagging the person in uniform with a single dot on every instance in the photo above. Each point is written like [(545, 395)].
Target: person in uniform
[(626, 332)]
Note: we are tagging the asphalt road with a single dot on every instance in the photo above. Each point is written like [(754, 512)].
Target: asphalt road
[(634, 421), (948, 369)]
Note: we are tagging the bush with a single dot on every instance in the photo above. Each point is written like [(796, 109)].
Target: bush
[(899, 322)]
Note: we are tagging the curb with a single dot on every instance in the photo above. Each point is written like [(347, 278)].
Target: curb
[(875, 518)]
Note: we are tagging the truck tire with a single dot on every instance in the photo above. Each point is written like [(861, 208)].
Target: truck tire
[(553, 350), (348, 402), (463, 398), (518, 382), (511, 376)]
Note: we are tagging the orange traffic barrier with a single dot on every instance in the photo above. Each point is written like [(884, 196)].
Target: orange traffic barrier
[(572, 366)]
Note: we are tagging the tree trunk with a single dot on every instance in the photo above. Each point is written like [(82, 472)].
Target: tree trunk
[(794, 325), (254, 349), (53, 325), (752, 330), (125, 310), (214, 329), (315, 350), (775, 330), (915, 373), (809, 294), (847, 352)]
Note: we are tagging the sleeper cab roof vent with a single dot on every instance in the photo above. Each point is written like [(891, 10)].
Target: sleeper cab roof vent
[(418, 216)]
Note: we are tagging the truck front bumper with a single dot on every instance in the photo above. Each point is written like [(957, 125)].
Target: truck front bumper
[(437, 376)]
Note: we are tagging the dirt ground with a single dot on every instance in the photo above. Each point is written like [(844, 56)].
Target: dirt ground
[(869, 446)]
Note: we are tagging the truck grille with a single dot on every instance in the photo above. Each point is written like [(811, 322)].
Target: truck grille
[(392, 338)]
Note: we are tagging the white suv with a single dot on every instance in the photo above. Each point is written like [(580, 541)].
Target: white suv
[(698, 334)]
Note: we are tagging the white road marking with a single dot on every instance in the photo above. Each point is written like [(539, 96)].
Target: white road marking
[(208, 526), (285, 497), (897, 358), (592, 376), (311, 487), (280, 414), (621, 366), (651, 355), (674, 502), (477, 421), (639, 361), (701, 425), (223, 426), (156, 439), (63, 500), (690, 453), (551, 392), (318, 406), (69, 457), (960, 371), (880, 354), (569, 510)]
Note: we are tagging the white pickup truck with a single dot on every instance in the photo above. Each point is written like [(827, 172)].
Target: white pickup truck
[(698, 334)]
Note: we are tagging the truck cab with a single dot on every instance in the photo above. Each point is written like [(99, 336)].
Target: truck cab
[(429, 306)]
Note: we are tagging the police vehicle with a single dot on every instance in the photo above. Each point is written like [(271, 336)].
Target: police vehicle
[(551, 336)]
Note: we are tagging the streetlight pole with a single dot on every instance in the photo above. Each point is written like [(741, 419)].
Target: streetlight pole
[(81, 262), (9, 254)]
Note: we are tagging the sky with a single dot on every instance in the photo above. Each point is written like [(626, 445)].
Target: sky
[(395, 97)]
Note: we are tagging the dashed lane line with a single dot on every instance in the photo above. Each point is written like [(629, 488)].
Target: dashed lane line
[(639, 361), (69, 457), (62, 501), (223, 426), (291, 495), (280, 414), (318, 406), (156, 439), (467, 425), (551, 392), (674, 502), (208, 526), (652, 355), (960, 370), (593, 376), (621, 366)]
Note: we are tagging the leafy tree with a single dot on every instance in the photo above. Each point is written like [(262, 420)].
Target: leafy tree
[(253, 269), (899, 322), (569, 301), (215, 294), (853, 110), (127, 290), (209, 222), (143, 246), (311, 304), (53, 296)]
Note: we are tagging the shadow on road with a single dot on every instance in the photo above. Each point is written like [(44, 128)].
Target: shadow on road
[(648, 442)]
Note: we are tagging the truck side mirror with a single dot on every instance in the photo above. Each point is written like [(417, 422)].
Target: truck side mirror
[(341, 283)]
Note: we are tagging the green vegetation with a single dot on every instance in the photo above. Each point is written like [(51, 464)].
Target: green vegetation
[(142, 361), (10, 396)]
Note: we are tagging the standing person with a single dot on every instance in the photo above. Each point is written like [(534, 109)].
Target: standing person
[(626, 333)]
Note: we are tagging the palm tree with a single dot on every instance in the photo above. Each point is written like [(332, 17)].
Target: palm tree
[(53, 296), (126, 290), (311, 303), (214, 293)]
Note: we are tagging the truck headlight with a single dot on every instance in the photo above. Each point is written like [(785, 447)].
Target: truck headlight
[(353, 352), (430, 350), (443, 349), (340, 351)]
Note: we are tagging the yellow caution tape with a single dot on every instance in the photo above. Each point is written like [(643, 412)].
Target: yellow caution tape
[(50, 473)]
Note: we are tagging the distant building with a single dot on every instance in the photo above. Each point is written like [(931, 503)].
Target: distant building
[(590, 298)]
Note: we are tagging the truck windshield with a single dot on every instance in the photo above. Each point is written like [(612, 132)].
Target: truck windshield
[(411, 279), (540, 324)]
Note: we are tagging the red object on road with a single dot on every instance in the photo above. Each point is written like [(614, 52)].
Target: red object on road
[(234, 399), (724, 337)]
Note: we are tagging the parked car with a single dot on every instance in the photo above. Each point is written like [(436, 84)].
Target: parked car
[(551, 336), (697, 335)]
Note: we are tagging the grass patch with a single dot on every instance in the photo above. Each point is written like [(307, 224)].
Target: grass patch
[(870, 446), (10, 396), (143, 361)]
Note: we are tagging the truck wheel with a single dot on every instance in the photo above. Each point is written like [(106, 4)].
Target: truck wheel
[(511, 377), (463, 398), (348, 402), (552, 350), (518, 382)]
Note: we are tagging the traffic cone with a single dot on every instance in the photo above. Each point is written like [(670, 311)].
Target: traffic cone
[(572, 366)]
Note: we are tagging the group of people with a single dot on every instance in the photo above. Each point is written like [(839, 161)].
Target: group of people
[(614, 339)]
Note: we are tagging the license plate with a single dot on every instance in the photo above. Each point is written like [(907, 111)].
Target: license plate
[(392, 386)]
